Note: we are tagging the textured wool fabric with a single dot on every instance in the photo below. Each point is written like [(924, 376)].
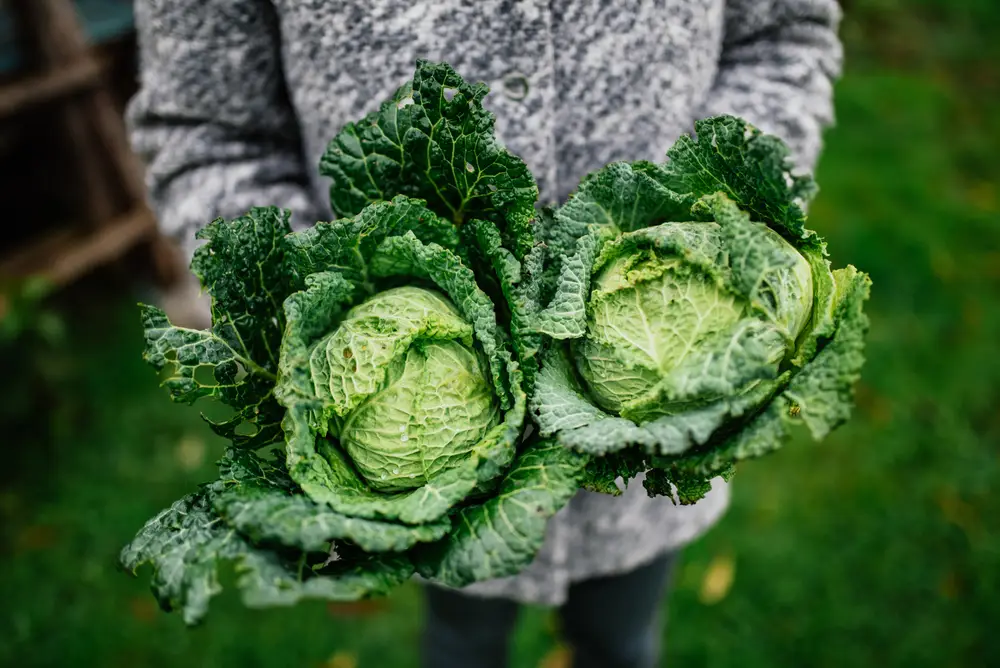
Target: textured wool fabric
[(238, 99)]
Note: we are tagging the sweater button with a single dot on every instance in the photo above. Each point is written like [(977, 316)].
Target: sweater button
[(515, 86)]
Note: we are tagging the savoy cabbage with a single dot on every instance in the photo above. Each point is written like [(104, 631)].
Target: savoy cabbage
[(667, 320), (692, 317)]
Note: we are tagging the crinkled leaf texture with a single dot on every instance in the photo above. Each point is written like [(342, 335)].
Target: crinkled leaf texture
[(433, 140), (705, 229), (242, 266), (427, 199), (324, 343), (325, 472), (277, 517), (501, 535), (188, 543), (258, 498)]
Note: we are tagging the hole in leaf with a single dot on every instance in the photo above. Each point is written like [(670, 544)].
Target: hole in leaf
[(246, 428), (204, 375), (348, 354), (469, 168), (449, 93), (405, 102), (214, 410)]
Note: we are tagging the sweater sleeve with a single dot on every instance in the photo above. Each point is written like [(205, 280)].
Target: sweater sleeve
[(212, 120), (779, 61)]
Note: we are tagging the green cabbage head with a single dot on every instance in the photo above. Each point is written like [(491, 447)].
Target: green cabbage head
[(377, 368), (653, 315), (403, 388), (691, 316)]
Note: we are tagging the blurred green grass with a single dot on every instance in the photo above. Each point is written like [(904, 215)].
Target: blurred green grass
[(880, 546)]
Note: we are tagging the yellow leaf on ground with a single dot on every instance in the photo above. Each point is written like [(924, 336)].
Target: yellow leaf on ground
[(356, 608), (717, 580), (143, 609), (190, 453), (559, 656), (36, 537), (342, 659)]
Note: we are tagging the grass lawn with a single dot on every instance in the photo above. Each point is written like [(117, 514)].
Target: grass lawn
[(879, 547)]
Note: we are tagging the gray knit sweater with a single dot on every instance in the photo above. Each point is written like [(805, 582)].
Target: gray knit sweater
[(238, 99)]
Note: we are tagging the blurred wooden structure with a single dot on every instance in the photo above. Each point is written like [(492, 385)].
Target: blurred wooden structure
[(64, 75)]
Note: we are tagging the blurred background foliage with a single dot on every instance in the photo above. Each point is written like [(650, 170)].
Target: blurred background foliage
[(879, 547)]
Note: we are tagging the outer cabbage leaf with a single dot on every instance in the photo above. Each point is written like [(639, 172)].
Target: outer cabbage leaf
[(823, 322), (566, 315), (188, 543), (344, 246), (519, 284), (820, 396), (823, 392), (434, 140), (242, 267), (621, 196), (258, 498), (501, 536), (754, 170)]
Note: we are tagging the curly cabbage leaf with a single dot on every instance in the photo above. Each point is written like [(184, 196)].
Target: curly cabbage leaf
[(434, 140)]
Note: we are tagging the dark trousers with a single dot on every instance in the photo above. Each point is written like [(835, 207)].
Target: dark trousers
[(610, 622)]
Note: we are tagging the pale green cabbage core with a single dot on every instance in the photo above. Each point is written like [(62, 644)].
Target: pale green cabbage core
[(408, 396), (649, 312)]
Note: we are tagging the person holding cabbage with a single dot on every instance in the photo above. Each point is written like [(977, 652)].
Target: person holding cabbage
[(239, 99)]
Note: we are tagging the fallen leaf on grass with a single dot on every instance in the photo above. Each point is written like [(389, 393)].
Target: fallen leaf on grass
[(874, 406), (36, 537), (342, 660), (950, 585), (143, 609), (559, 656), (190, 453), (717, 580), (356, 608), (958, 511)]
